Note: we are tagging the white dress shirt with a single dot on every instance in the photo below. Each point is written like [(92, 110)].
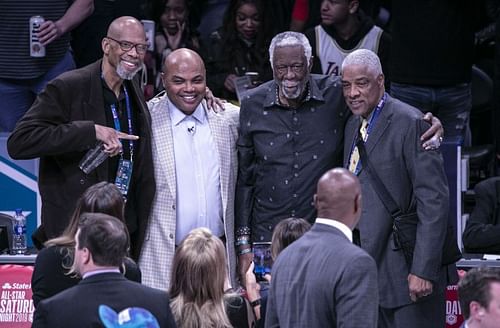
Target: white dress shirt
[(199, 202), (337, 224)]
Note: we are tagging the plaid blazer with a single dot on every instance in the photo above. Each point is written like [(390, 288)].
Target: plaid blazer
[(157, 253)]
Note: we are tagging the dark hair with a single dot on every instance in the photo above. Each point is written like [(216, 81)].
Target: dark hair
[(103, 197), (106, 238), (286, 232), (475, 286), (264, 32)]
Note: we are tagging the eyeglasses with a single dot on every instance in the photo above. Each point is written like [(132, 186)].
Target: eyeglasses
[(127, 46), (296, 68)]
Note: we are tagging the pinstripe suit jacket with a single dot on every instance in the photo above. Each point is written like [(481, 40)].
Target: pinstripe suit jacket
[(416, 180), (157, 254)]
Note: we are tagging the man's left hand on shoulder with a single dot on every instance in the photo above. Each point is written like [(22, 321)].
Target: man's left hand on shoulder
[(433, 137)]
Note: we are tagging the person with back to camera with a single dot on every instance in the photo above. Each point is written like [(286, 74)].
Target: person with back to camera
[(101, 244), (198, 284), (323, 279), (240, 46), (51, 273), (285, 233)]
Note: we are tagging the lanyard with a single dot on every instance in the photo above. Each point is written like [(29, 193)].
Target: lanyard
[(375, 114), (371, 123), (116, 121)]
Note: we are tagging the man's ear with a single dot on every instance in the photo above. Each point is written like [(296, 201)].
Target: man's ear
[(381, 80), (315, 200), (353, 6), (357, 203), (105, 46), (162, 74), (476, 310), (310, 64), (86, 255)]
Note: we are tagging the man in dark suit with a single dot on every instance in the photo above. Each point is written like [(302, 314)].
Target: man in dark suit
[(410, 295), (322, 279), (102, 243), (482, 232), (78, 109), (479, 295)]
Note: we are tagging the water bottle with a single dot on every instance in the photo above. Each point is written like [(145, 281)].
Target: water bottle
[(19, 245)]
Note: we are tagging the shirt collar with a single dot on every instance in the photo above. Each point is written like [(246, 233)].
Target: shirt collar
[(178, 116), (94, 272), (337, 224)]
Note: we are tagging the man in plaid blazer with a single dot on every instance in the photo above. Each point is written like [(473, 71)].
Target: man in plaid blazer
[(195, 157)]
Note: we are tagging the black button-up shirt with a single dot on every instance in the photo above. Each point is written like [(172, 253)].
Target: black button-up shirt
[(121, 108), (284, 151)]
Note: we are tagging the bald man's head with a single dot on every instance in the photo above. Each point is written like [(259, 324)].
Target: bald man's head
[(338, 197), (184, 79), (122, 25), (124, 47)]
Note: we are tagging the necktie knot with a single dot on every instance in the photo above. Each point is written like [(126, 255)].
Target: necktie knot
[(363, 129)]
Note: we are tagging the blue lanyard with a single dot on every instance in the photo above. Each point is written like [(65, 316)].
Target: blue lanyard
[(371, 123), (116, 121), (375, 114)]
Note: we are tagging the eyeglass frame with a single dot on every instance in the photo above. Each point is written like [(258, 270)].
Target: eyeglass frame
[(132, 45)]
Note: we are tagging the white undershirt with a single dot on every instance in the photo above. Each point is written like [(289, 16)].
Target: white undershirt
[(337, 224)]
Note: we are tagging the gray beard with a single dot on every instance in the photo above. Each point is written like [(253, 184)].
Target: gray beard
[(124, 74), (293, 95)]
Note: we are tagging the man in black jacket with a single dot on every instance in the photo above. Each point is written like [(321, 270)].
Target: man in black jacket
[(102, 243), (482, 232)]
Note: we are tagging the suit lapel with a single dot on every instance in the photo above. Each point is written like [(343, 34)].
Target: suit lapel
[(95, 110), (221, 137), (163, 141), (381, 124)]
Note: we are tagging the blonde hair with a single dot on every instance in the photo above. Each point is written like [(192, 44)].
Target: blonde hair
[(197, 285)]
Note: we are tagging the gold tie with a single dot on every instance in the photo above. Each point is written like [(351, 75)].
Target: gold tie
[(353, 163)]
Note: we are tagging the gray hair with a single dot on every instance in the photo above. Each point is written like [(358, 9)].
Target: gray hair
[(290, 39), (363, 57)]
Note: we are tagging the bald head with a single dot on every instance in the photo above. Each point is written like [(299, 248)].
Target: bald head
[(183, 57), (121, 26), (184, 79), (338, 197)]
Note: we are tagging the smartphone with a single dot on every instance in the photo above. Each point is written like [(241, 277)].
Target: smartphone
[(262, 259)]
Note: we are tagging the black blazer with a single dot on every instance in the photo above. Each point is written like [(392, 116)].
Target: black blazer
[(77, 307), (49, 276), (59, 128), (482, 232)]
